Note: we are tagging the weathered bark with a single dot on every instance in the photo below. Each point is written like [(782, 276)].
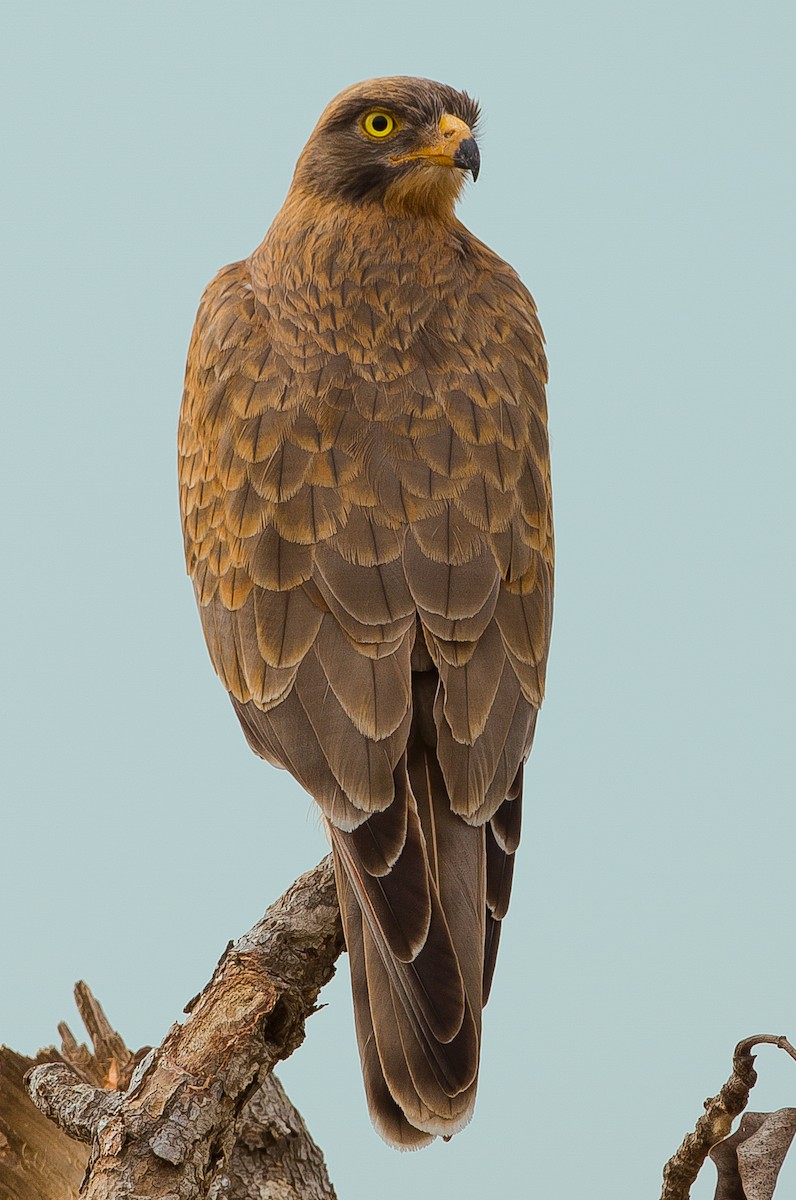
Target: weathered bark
[(203, 1118), (37, 1160), (274, 1155)]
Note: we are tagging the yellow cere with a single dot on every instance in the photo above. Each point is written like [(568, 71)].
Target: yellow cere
[(378, 124)]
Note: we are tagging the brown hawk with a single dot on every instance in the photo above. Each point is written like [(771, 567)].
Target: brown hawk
[(365, 495)]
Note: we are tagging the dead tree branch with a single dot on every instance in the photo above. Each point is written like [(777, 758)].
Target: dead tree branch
[(720, 1111), (201, 1117), (37, 1160)]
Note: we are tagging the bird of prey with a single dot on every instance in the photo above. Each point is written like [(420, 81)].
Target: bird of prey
[(365, 496)]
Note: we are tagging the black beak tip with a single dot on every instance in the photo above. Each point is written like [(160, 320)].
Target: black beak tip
[(468, 157)]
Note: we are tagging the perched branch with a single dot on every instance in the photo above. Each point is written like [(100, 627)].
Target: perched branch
[(720, 1111), (203, 1117)]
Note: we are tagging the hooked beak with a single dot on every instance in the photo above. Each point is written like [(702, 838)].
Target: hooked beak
[(454, 146), (468, 156)]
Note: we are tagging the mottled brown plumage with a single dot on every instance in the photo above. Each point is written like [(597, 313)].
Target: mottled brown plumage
[(365, 493)]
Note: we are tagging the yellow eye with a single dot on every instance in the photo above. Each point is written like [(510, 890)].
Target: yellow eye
[(378, 124)]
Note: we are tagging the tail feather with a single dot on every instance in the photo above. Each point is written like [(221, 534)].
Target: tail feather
[(396, 904), (420, 1072), (499, 873), (456, 853), (502, 840), (491, 944), (422, 893), (429, 979), (386, 1114)]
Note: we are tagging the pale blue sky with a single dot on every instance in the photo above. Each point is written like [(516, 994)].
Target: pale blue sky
[(637, 172)]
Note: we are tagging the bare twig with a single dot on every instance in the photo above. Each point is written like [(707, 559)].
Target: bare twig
[(720, 1111)]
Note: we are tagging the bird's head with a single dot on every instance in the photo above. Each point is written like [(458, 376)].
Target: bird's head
[(402, 142)]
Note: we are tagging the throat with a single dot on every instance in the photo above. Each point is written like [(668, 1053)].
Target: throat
[(427, 191), (362, 244)]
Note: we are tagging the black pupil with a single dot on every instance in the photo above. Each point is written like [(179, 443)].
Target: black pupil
[(379, 123)]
